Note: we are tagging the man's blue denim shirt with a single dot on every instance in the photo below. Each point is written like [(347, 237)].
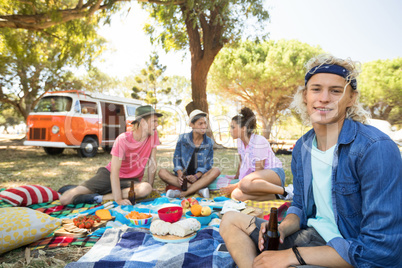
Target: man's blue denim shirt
[(185, 149), (366, 194)]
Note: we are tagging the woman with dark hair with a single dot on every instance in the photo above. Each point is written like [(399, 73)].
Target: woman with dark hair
[(193, 160), (260, 172)]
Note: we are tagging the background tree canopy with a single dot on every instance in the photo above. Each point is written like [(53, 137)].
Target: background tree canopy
[(262, 76), (204, 27), (151, 84), (40, 15), (381, 89), (33, 62)]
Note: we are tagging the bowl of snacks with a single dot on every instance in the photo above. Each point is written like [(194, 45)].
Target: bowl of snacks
[(200, 213), (138, 218), (170, 214)]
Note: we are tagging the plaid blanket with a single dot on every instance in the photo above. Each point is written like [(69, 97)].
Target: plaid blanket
[(55, 209), (265, 205), (133, 247)]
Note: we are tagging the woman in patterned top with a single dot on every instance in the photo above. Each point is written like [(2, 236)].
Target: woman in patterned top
[(260, 172)]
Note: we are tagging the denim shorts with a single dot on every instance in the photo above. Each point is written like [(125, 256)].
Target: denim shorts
[(303, 238), (281, 174)]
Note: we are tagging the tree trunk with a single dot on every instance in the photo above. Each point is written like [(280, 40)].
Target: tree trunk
[(267, 127), (199, 73), (204, 47)]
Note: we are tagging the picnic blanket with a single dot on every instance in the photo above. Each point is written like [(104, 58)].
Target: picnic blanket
[(133, 247), (55, 209)]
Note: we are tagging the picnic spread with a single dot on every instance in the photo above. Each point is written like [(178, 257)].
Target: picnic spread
[(131, 235)]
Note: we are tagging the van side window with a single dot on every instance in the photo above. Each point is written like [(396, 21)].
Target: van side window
[(88, 107), (131, 110), (77, 108)]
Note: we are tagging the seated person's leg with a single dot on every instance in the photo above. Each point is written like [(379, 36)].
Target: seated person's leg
[(168, 177), (240, 233), (142, 189), (68, 196), (90, 187), (237, 194), (91, 191), (260, 185), (205, 180)]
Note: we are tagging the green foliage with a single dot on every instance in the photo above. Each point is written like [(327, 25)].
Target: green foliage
[(151, 84), (35, 62), (381, 89), (40, 15), (262, 75), (9, 116), (234, 17)]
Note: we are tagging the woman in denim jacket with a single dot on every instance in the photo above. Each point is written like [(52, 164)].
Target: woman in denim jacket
[(347, 180), (193, 155)]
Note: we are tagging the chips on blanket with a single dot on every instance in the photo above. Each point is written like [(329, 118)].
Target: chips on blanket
[(138, 216)]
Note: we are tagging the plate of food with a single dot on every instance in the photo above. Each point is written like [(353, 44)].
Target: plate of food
[(180, 231), (173, 238)]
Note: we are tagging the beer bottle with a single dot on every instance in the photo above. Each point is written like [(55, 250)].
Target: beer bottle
[(131, 194), (271, 236), (184, 185)]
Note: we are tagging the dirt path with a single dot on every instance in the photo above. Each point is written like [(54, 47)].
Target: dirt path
[(12, 140)]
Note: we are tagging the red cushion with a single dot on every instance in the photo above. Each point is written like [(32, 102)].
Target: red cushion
[(28, 195)]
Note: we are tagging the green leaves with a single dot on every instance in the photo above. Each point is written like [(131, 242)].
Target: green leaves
[(381, 89), (262, 75), (34, 62), (169, 21), (151, 83)]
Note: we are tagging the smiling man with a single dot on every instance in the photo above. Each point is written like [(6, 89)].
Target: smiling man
[(193, 154), (347, 180), (131, 152)]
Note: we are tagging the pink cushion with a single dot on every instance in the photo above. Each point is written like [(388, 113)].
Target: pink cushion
[(28, 195)]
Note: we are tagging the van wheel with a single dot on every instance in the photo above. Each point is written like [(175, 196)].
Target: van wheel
[(53, 150), (89, 147)]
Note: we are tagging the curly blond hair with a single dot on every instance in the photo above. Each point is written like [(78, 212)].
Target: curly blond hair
[(355, 112)]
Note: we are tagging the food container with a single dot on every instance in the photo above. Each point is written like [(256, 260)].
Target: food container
[(138, 221), (204, 220), (170, 214)]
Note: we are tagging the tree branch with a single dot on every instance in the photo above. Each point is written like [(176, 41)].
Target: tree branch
[(193, 36), (159, 2), (42, 21)]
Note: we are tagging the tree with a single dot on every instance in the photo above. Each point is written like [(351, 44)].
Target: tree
[(33, 63), (151, 84), (40, 15), (8, 116), (204, 27), (381, 89), (262, 76)]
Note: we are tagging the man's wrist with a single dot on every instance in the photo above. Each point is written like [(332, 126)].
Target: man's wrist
[(299, 258)]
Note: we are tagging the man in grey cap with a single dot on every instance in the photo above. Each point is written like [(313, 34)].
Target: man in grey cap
[(131, 152)]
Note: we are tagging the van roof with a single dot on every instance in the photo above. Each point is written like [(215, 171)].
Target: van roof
[(98, 96)]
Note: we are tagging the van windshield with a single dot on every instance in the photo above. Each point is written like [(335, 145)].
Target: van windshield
[(53, 104)]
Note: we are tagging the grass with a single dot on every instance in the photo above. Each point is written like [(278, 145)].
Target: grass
[(22, 165)]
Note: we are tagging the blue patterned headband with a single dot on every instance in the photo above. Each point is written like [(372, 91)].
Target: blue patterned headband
[(331, 69)]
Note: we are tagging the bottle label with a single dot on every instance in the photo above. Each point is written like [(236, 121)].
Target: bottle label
[(272, 234)]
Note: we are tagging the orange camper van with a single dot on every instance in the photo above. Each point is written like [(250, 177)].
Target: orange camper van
[(80, 120)]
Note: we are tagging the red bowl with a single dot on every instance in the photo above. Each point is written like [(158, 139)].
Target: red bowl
[(170, 214)]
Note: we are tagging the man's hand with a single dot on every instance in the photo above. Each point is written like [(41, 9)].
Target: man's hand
[(260, 238), (123, 202), (191, 178), (274, 258)]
